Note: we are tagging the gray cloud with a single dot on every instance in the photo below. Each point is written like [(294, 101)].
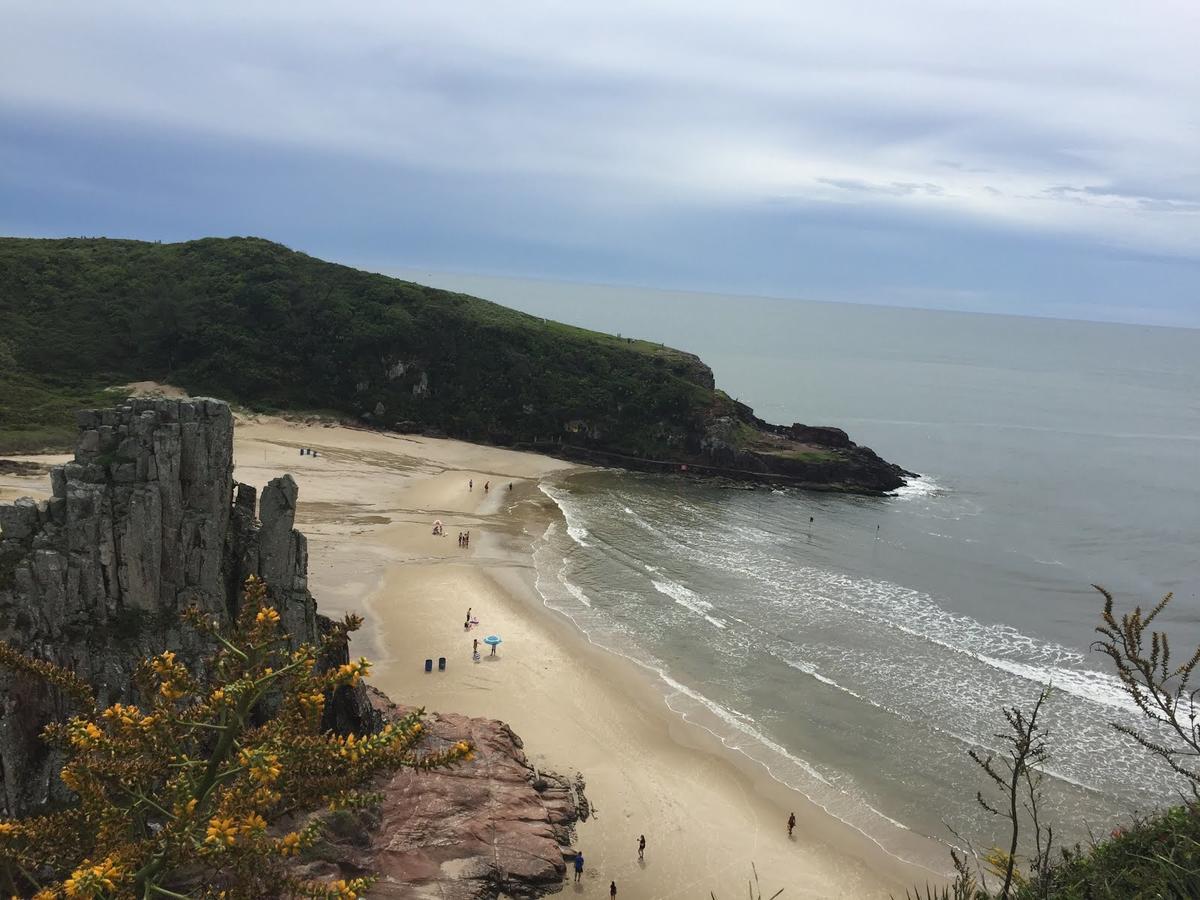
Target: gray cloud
[(1073, 121)]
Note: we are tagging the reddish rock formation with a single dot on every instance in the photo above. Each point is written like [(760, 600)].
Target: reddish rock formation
[(489, 826)]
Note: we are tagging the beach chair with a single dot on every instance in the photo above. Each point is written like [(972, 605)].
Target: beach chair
[(441, 664), (429, 665)]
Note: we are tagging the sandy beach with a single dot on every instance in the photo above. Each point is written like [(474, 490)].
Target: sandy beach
[(367, 504)]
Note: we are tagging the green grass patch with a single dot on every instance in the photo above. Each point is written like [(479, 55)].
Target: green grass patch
[(815, 457)]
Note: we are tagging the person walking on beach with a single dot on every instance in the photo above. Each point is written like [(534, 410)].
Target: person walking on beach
[(471, 485), (612, 889), (578, 854), (642, 847), (486, 486), (791, 823), (475, 647)]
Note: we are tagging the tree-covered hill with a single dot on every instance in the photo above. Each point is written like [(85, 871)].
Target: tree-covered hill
[(254, 322)]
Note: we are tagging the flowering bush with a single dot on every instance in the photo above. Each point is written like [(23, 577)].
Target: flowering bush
[(183, 794)]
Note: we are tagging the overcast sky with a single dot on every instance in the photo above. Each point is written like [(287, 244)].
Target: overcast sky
[(1026, 156)]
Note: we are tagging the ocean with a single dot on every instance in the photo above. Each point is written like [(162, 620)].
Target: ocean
[(858, 647)]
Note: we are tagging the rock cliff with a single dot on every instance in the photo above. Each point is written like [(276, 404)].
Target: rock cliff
[(146, 521)]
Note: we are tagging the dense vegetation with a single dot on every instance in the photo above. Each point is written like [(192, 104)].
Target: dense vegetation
[(254, 322)]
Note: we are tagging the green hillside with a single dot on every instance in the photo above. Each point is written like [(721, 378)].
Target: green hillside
[(250, 320), (275, 330)]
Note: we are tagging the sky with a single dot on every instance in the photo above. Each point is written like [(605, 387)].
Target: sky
[(1025, 157)]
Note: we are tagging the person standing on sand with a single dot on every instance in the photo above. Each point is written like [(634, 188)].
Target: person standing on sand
[(612, 889), (475, 647), (486, 486), (471, 485), (578, 854), (791, 823), (642, 847)]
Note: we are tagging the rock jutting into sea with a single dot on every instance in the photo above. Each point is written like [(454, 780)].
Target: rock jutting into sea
[(407, 358)]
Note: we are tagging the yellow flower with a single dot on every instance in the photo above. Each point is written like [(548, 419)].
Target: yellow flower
[(93, 880), (343, 890), (217, 697), (253, 823), (264, 796), (8, 829), (266, 769), (222, 832), (350, 748), (268, 616), (351, 672), (170, 690), (68, 777), (289, 844)]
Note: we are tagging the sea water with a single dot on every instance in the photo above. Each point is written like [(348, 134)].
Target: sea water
[(858, 647)]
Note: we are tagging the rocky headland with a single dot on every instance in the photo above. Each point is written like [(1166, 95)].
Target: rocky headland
[(276, 330)]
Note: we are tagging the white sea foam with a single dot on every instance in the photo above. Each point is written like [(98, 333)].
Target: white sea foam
[(921, 486), (1090, 685), (576, 530), (811, 671), (573, 589), (686, 598)]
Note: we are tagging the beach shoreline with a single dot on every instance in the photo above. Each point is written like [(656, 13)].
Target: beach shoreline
[(367, 503)]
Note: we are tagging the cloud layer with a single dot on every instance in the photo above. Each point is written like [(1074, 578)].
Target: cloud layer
[(616, 139)]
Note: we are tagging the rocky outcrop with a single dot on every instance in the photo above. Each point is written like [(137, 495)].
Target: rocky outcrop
[(142, 524), (492, 827)]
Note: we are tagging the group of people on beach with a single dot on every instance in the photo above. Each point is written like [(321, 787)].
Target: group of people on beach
[(487, 485), (464, 539), (612, 885), (641, 841)]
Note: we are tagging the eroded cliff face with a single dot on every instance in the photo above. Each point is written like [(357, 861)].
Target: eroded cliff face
[(145, 522)]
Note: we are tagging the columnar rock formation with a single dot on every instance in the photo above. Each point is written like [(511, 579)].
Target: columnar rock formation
[(142, 524)]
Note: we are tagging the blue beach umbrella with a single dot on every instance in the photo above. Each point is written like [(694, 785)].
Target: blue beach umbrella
[(492, 640)]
